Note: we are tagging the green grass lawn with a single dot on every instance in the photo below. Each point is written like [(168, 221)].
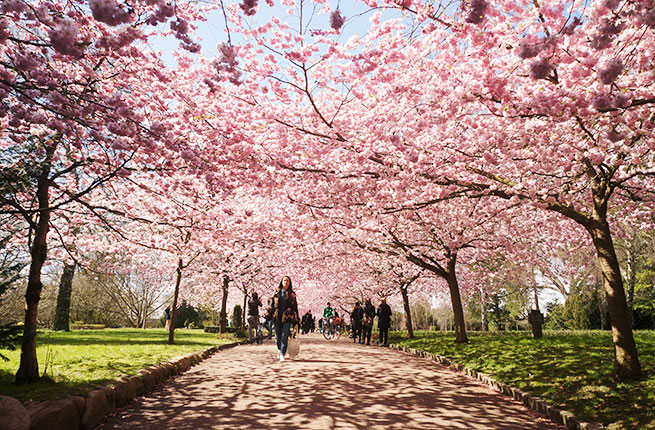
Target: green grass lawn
[(572, 370), (78, 361)]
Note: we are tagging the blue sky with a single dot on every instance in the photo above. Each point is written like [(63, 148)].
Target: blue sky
[(212, 31)]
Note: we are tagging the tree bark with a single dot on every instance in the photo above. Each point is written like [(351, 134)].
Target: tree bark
[(483, 310), (223, 325), (62, 313), (408, 312), (178, 280), (456, 301), (28, 370), (243, 314), (626, 361), (450, 276), (632, 279)]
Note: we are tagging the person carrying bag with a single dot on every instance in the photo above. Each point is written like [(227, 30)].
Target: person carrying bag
[(285, 315)]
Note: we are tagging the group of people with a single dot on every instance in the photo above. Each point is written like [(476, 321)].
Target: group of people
[(282, 315), (362, 322), (308, 323)]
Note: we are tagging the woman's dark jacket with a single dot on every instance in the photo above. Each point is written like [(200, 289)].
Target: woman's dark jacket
[(384, 316), (253, 307), (285, 309), (356, 316)]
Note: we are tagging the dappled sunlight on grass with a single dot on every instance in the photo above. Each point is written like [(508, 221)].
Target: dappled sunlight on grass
[(79, 360), (572, 370)]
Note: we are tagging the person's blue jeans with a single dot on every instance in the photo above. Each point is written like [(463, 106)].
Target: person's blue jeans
[(282, 331)]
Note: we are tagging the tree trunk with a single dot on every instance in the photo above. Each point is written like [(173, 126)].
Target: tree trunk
[(243, 314), (483, 310), (62, 313), (408, 312), (223, 325), (28, 370), (178, 279), (535, 317), (456, 300), (632, 279), (626, 361)]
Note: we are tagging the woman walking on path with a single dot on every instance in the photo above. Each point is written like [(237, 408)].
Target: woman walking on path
[(356, 318), (285, 314), (384, 321), (367, 325)]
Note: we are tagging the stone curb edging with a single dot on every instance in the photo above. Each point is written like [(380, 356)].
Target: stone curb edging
[(535, 403), (85, 413)]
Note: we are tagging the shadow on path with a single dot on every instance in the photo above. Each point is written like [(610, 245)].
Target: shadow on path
[(331, 385)]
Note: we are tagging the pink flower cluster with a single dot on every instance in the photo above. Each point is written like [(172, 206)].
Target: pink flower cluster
[(611, 71), (476, 11), (4, 30), (227, 63), (249, 7), (605, 102), (163, 12), (181, 29), (336, 20), (64, 39), (109, 12), (119, 40), (539, 69)]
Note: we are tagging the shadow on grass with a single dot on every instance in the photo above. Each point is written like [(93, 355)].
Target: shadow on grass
[(46, 390), (574, 371), (81, 360)]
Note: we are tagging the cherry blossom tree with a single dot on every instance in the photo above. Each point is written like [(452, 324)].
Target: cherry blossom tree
[(68, 126), (534, 102)]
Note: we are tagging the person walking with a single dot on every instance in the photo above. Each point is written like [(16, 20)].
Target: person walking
[(306, 321), (384, 321), (312, 322), (367, 323), (356, 317), (253, 315), (167, 311), (285, 314), (268, 318)]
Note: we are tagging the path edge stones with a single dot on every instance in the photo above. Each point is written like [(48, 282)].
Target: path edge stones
[(86, 413), (535, 403)]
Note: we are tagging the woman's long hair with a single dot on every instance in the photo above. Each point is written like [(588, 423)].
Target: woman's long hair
[(290, 284)]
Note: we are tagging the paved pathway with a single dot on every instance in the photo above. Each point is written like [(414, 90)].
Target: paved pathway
[(330, 385)]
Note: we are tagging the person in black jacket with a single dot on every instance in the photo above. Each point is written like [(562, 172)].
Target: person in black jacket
[(312, 322), (356, 317), (253, 315), (306, 322), (367, 322), (384, 321), (285, 314)]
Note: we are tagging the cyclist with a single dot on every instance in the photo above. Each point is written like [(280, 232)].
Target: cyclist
[(328, 313)]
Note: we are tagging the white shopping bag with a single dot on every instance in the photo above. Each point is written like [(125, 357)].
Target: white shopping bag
[(294, 346)]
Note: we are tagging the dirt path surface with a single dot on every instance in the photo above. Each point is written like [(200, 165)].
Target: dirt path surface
[(330, 385)]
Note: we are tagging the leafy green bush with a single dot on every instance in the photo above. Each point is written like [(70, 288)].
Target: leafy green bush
[(9, 336), (236, 316)]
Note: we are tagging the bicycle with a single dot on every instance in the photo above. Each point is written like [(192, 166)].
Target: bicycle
[(333, 329), (259, 333)]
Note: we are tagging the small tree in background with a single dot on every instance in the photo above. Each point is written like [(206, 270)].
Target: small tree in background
[(236, 317)]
